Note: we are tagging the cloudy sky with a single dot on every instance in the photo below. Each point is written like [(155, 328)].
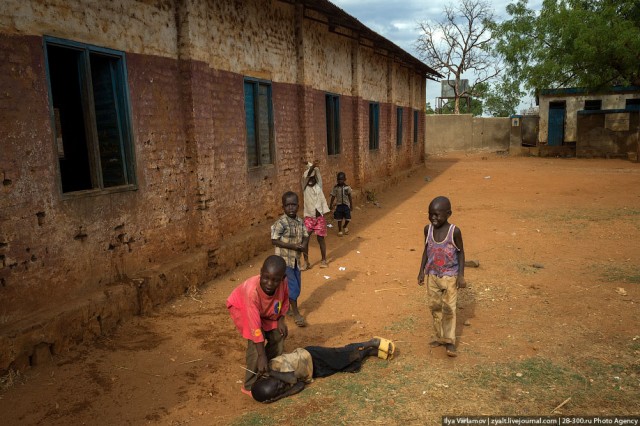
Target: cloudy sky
[(398, 21)]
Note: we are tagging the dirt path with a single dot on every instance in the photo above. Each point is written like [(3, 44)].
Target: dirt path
[(555, 299)]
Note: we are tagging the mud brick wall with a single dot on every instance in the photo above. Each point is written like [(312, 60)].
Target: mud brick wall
[(611, 133), (27, 190), (73, 266)]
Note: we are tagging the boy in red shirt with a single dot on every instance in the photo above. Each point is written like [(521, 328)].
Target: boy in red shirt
[(258, 307)]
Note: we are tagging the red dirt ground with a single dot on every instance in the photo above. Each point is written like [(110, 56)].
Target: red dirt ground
[(576, 220)]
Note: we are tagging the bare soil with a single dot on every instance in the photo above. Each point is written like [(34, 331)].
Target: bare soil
[(550, 315)]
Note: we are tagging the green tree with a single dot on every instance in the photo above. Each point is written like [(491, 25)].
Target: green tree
[(474, 109), (501, 98), (572, 43), (461, 43), (428, 109)]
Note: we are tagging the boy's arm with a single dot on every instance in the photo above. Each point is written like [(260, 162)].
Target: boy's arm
[(263, 362), (277, 230), (297, 388), (350, 201), (282, 244), (457, 239), (282, 327), (423, 263), (288, 377), (333, 198)]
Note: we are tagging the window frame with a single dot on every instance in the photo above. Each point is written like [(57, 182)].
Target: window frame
[(256, 83), (416, 118), (123, 113), (374, 126), (632, 104), (332, 115), (399, 119), (592, 105)]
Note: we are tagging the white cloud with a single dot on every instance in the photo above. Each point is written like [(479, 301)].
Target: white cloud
[(398, 22)]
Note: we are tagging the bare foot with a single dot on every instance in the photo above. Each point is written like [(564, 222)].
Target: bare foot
[(451, 350)]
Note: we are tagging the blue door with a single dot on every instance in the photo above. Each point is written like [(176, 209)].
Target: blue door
[(556, 123)]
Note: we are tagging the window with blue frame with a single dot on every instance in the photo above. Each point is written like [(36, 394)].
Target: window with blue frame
[(399, 126), (632, 104), (91, 116), (333, 124), (259, 122), (415, 127), (374, 125)]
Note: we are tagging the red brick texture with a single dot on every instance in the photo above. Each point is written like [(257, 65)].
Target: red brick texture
[(196, 202)]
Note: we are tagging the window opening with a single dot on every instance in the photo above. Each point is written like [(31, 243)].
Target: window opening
[(90, 115), (399, 126), (333, 124), (374, 125), (259, 122)]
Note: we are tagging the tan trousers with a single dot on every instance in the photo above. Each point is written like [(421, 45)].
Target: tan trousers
[(442, 295), (273, 347)]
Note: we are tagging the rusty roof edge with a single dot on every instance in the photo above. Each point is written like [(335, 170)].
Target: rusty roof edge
[(329, 9)]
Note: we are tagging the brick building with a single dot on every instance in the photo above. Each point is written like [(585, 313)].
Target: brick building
[(146, 144), (589, 123)]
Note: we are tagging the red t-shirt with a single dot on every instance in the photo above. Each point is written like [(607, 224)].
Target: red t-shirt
[(253, 310)]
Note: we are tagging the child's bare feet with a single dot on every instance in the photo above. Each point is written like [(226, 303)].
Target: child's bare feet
[(299, 320), (324, 264), (451, 350), (305, 266)]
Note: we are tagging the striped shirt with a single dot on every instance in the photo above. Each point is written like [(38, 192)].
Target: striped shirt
[(290, 231)]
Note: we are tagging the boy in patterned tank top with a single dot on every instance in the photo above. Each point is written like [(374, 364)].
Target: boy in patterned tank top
[(443, 266)]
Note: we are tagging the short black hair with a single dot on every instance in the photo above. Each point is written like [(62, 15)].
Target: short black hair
[(441, 200), (341, 174), (265, 389), (274, 263), (287, 195)]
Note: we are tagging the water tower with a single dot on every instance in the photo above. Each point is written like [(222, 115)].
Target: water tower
[(447, 93)]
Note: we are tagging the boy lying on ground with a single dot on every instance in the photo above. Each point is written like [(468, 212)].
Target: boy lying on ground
[(289, 372)]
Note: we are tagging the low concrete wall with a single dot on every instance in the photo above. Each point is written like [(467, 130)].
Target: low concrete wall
[(445, 133)]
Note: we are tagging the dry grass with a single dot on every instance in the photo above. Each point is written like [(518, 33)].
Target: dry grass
[(10, 379)]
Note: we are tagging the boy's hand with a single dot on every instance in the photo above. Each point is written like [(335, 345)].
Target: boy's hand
[(282, 327), (263, 364), (421, 278), (461, 282), (299, 247)]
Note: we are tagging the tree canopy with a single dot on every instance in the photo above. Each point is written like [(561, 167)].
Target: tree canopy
[(571, 43)]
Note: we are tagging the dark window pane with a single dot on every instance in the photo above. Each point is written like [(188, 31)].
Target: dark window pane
[(593, 105), (333, 124), (374, 127), (65, 68), (399, 126), (90, 115), (108, 122), (632, 104), (249, 108), (264, 123), (415, 127)]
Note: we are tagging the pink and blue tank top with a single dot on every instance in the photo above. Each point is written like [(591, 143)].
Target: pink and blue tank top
[(442, 256)]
